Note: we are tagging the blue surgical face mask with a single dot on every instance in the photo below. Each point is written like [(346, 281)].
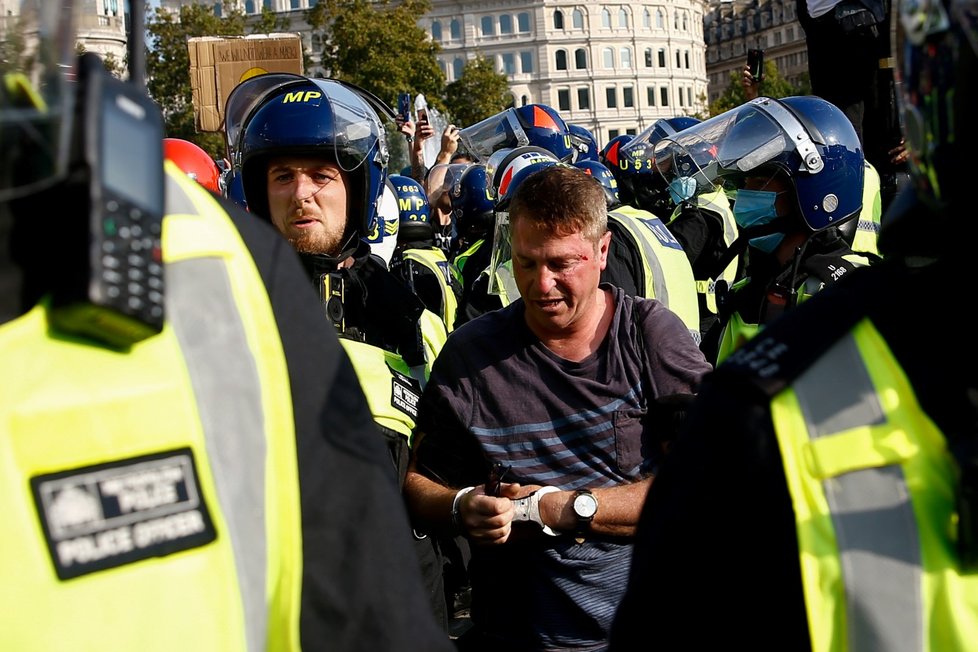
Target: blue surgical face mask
[(681, 189), (754, 207), (767, 243)]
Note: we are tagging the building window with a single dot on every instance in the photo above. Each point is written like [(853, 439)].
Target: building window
[(685, 24), (647, 19), (650, 96), (686, 55), (218, 10), (436, 31), (505, 24), (441, 64), (611, 96), (488, 29), (777, 38), (249, 7), (580, 59), (509, 63), (660, 19), (526, 61), (583, 98), (675, 20), (689, 96), (613, 133), (623, 18), (577, 19), (605, 18), (681, 99), (791, 34), (662, 57), (523, 22), (648, 57), (456, 29), (524, 100), (267, 4), (608, 58), (558, 19), (458, 65), (678, 60), (628, 97), (626, 58), (561, 59), (630, 131), (563, 100), (664, 96), (294, 4)]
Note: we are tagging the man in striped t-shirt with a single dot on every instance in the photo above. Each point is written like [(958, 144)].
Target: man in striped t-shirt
[(568, 394)]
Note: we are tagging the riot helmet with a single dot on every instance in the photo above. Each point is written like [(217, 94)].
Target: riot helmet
[(383, 237), (807, 140), (414, 212), (472, 204), (534, 124), (639, 183), (605, 178), (322, 118), (609, 153), (195, 162), (584, 142)]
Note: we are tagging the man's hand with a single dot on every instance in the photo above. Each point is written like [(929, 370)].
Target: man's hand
[(749, 84)]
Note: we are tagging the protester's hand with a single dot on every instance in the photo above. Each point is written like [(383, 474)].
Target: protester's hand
[(488, 520), (406, 127), (750, 85), (449, 140), (424, 131)]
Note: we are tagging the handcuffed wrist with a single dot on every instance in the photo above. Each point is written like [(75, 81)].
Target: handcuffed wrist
[(457, 507), (528, 509)]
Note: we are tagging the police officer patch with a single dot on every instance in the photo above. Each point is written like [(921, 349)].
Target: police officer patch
[(405, 393), (108, 515)]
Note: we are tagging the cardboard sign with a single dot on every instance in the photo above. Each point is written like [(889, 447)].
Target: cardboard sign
[(218, 64)]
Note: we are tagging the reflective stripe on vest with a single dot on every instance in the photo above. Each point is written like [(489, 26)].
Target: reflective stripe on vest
[(871, 484), (668, 274), (458, 264), (435, 261), (716, 202), (867, 233), (390, 385), (70, 406)]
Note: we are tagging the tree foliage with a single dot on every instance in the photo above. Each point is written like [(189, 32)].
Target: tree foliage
[(379, 47), (480, 92), (270, 22), (773, 85), (168, 66)]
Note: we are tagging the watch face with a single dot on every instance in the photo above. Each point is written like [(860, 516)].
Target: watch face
[(585, 506)]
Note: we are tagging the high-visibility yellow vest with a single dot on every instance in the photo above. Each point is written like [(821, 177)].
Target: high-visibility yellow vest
[(718, 203), (872, 485), (867, 233), (434, 260), (668, 274), (151, 497)]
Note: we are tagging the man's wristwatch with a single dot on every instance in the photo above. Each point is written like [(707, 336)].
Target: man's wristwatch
[(585, 506)]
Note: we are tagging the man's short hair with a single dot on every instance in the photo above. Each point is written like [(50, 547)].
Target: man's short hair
[(564, 200)]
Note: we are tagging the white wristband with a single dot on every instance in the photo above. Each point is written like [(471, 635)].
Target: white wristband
[(457, 507)]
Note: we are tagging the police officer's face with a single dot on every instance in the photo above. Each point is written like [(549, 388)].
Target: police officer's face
[(307, 201), (558, 277)]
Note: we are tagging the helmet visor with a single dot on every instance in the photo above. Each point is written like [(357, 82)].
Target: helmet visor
[(494, 133), (723, 149), (356, 127), (37, 66), (443, 179), (245, 98)]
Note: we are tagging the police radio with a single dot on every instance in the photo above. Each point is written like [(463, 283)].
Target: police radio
[(113, 288)]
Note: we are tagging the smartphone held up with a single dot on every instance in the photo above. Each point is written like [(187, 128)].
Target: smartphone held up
[(755, 63)]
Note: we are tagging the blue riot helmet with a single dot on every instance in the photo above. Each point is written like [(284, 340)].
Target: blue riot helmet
[(472, 204), (507, 169), (326, 118), (640, 184), (807, 139), (609, 153), (940, 66), (534, 124), (607, 180), (235, 190), (584, 142), (414, 212)]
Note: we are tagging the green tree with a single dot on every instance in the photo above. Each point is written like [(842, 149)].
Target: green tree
[(773, 85), (478, 93), (168, 66), (270, 22), (379, 47)]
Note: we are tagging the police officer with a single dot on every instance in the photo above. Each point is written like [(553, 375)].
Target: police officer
[(837, 449), (701, 219), (797, 167), (313, 159), (177, 467), (417, 260)]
